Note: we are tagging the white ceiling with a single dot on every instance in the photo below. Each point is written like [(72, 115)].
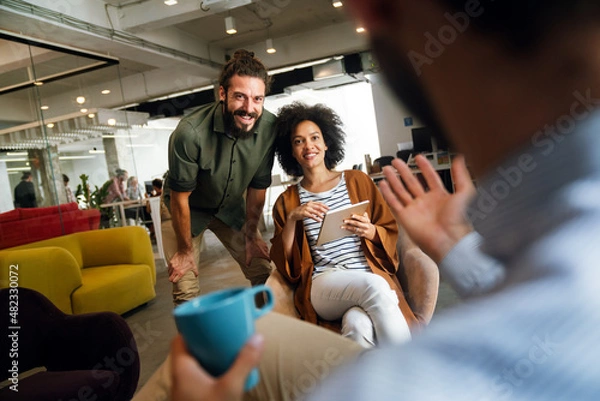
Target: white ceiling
[(301, 29), (161, 49)]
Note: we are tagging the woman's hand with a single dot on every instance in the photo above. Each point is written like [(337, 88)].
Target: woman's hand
[(361, 226), (311, 210)]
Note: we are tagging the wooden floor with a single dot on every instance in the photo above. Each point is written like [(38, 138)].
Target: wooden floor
[(153, 325)]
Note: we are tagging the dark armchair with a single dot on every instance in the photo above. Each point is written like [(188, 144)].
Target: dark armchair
[(88, 356)]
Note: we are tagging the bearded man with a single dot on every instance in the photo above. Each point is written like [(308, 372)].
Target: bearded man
[(219, 155)]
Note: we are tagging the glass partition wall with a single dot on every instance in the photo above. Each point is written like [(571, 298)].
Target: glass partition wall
[(56, 120)]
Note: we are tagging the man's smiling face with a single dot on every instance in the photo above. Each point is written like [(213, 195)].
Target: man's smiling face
[(243, 104)]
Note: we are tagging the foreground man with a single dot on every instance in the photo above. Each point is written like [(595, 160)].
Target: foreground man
[(514, 85)]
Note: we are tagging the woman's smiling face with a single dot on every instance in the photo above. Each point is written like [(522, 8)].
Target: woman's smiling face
[(308, 144)]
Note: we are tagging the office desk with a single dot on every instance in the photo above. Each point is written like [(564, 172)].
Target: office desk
[(122, 205), (440, 162)]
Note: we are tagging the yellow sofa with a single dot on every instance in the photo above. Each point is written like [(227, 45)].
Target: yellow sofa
[(91, 271)]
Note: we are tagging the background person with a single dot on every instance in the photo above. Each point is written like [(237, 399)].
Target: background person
[(25, 192), (220, 160), (117, 190), (135, 192), (351, 279), (68, 191)]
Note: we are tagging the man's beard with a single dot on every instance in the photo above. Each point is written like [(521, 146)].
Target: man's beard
[(405, 84), (231, 127)]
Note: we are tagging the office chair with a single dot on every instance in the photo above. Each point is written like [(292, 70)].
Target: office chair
[(383, 161), (404, 155)]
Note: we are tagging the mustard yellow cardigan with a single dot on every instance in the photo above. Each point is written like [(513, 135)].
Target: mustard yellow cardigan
[(382, 258)]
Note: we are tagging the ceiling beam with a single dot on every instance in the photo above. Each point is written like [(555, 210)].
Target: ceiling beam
[(154, 14)]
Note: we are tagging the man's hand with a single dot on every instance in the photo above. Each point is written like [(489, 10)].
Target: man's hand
[(435, 219), (256, 248), (181, 263), (192, 383)]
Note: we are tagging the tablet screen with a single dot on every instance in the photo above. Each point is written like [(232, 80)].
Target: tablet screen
[(334, 219)]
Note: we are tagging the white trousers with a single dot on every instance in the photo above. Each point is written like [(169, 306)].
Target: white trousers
[(366, 304)]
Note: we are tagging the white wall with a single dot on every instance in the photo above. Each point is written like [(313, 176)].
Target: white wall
[(354, 104), (390, 117), (151, 160), (6, 199)]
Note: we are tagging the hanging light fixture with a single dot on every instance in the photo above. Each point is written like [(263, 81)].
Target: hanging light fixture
[(230, 25), (337, 3), (270, 48)]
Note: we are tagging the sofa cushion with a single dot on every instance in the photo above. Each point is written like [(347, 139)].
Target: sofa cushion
[(68, 242), (31, 213), (70, 385), (53, 272), (43, 224), (113, 288), (10, 216)]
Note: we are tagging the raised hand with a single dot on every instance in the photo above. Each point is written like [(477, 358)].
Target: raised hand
[(434, 219)]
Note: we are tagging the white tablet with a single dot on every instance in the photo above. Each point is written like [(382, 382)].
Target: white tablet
[(334, 219)]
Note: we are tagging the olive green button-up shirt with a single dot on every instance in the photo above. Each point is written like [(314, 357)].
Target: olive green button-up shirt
[(216, 168)]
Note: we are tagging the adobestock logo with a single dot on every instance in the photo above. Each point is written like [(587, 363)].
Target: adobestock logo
[(546, 141), (435, 46)]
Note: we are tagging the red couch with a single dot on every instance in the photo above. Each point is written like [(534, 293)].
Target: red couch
[(22, 226)]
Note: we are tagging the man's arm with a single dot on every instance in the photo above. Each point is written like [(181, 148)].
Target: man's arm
[(435, 220), (183, 260), (470, 271), (255, 246)]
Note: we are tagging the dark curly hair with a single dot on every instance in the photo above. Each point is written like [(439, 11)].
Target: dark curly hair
[(325, 118), (243, 63)]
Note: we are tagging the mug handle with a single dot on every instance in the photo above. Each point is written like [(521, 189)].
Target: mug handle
[(270, 302)]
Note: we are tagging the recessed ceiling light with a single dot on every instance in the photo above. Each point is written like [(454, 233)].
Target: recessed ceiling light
[(84, 110), (105, 91), (50, 125), (91, 115), (111, 121), (44, 107), (80, 99), (38, 83), (360, 29), (170, 2), (230, 25), (337, 3)]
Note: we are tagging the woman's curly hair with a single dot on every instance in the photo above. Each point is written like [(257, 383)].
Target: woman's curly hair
[(325, 118)]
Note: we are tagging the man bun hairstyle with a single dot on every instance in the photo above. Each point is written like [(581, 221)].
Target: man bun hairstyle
[(244, 64)]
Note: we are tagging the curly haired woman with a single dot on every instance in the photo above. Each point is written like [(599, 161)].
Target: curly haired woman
[(349, 280)]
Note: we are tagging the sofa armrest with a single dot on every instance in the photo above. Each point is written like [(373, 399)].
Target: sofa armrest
[(283, 293), (52, 271), (95, 341), (113, 246)]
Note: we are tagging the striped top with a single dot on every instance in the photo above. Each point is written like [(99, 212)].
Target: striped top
[(344, 253)]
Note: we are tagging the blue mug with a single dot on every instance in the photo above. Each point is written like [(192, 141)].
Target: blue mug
[(216, 326)]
